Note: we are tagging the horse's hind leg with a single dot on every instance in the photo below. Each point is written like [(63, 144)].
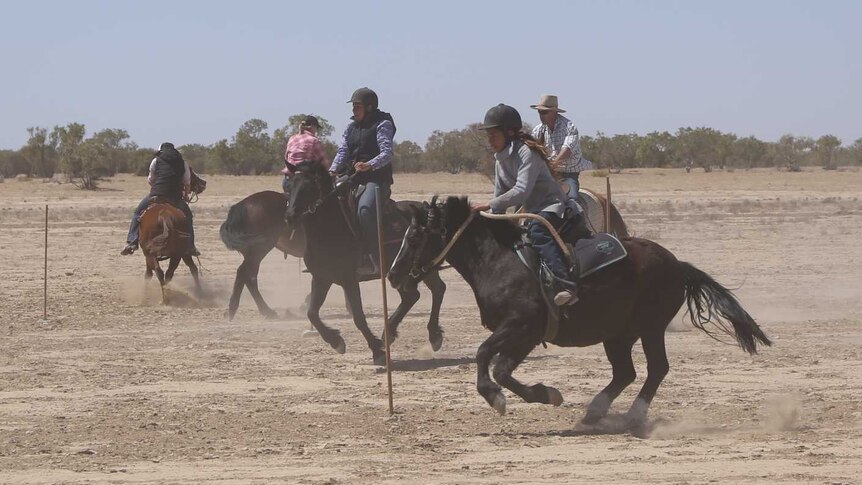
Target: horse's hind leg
[(172, 267), (438, 289), (193, 268), (161, 276), (354, 299), (252, 268), (507, 361), (657, 369), (619, 353)]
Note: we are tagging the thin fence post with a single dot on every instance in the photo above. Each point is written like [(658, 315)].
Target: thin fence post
[(382, 263), (608, 207), (45, 274)]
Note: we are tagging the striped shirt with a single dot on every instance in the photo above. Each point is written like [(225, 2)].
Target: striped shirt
[(564, 135)]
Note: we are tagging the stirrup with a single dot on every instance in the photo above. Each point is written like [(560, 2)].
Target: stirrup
[(566, 297)]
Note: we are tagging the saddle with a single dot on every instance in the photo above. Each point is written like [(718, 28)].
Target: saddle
[(592, 254), (349, 203)]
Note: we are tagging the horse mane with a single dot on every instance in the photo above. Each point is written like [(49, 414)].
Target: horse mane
[(457, 209)]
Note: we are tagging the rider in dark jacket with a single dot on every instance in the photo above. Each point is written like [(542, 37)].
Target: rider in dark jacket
[(169, 178), (366, 146)]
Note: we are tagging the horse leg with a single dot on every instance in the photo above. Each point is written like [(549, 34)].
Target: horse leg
[(657, 369), (408, 299), (499, 340), (438, 289), (193, 268), (161, 276), (251, 271), (238, 285), (319, 289), (507, 361), (619, 353), (354, 299), (172, 267)]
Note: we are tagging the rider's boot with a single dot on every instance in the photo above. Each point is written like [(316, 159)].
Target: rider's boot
[(130, 248)]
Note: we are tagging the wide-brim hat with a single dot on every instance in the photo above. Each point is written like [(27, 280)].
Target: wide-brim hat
[(548, 102)]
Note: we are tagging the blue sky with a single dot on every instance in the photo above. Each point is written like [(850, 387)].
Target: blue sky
[(193, 71)]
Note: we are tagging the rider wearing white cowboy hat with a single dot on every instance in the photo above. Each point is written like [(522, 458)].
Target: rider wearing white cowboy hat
[(561, 139)]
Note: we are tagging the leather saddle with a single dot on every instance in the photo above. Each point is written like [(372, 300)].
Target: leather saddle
[(592, 254)]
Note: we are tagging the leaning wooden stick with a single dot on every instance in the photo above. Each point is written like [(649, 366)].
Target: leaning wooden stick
[(45, 285), (382, 262), (608, 207)]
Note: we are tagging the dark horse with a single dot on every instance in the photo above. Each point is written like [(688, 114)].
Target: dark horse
[(333, 253), (635, 298), (254, 226), (164, 236)]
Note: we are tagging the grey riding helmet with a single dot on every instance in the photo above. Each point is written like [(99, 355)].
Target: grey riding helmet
[(503, 117), (366, 97)]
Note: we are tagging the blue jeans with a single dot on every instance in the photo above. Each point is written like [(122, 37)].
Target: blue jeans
[(145, 202), (284, 183), (571, 179), (548, 248), (367, 214)]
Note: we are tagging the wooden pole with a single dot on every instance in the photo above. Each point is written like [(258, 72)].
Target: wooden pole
[(381, 260), (45, 274), (608, 207)]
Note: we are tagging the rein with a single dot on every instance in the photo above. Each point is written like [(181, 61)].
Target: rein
[(420, 271), (319, 202)]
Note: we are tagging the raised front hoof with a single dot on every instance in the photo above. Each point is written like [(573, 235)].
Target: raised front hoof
[(436, 339), (555, 398), (498, 402)]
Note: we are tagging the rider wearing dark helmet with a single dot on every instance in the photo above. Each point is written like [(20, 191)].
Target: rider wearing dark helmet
[(169, 178), (523, 179), (366, 147)]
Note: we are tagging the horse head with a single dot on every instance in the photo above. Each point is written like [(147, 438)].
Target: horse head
[(423, 241), (309, 183)]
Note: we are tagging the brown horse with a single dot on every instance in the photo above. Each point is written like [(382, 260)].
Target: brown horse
[(164, 236)]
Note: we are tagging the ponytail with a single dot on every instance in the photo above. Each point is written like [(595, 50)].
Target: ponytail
[(536, 147)]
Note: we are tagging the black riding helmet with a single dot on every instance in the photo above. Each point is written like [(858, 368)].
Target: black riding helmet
[(503, 117), (365, 96)]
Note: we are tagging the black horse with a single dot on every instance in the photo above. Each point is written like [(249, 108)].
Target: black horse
[(254, 226), (635, 298), (334, 249)]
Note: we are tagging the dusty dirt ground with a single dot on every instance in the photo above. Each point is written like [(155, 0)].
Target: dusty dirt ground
[(114, 387)]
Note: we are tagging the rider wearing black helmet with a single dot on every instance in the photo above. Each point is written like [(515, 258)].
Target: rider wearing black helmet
[(523, 179), (366, 147), (169, 178)]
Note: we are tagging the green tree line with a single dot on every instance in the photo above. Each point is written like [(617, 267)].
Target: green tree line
[(254, 149)]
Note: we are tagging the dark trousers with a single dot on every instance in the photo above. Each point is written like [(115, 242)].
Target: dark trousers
[(367, 214), (135, 225), (548, 248)]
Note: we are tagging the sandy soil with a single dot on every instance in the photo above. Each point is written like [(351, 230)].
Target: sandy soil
[(114, 387)]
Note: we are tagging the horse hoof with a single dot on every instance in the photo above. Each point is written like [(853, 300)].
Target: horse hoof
[(597, 409), (499, 403), (436, 342), (340, 346), (636, 417), (380, 359), (555, 398), (229, 314), (270, 315)]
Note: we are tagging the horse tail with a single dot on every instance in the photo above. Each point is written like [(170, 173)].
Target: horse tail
[(711, 303), (159, 244), (233, 230)]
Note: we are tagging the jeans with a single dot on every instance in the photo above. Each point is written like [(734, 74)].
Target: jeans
[(367, 214), (548, 248), (571, 179), (145, 202), (285, 183)]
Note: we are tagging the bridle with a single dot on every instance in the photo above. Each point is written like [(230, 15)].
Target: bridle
[(419, 271), (323, 199)]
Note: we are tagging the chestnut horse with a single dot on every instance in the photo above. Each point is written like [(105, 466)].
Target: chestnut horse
[(164, 235)]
